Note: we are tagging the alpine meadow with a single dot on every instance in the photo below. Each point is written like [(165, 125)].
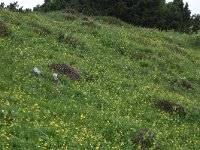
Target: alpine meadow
[(71, 81)]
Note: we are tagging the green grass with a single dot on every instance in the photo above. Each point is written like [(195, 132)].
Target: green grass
[(124, 71)]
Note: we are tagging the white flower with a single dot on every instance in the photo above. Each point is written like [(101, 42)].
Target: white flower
[(36, 71), (55, 77)]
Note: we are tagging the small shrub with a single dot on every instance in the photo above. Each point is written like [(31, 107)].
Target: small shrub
[(65, 69), (72, 11), (3, 29), (170, 107), (144, 138)]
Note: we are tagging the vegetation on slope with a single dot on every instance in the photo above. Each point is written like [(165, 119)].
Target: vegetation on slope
[(138, 88), (174, 15)]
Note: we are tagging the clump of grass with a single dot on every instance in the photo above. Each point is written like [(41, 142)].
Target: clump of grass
[(70, 39), (194, 112), (139, 56), (85, 18), (144, 63), (73, 41), (88, 77), (144, 138), (110, 20), (61, 37), (70, 18), (89, 24), (121, 51), (3, 29), (198, 40), (6, 116), (65, 69), (170, 107), (16, 22), (40, 29)]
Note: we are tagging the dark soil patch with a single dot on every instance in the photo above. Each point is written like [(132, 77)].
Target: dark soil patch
[(186, 84), (3, 29), (183, 83), (143, 137), (170, 107), (65, 69)]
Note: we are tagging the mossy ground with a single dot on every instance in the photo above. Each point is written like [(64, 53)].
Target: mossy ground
[(123, 70)]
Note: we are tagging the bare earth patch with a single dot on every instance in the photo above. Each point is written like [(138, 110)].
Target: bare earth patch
[(170, 107), (65, 69)]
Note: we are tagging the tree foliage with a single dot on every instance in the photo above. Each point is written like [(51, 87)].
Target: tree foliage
[(13, 6), (195, 23), (146, 13)]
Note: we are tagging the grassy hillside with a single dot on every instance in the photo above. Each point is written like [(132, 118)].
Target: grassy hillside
[(136, 88)]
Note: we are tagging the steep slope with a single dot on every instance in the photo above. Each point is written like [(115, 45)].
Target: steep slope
[(136, 87)]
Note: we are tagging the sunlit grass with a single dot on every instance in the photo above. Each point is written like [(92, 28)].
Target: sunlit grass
[(124, 70)]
